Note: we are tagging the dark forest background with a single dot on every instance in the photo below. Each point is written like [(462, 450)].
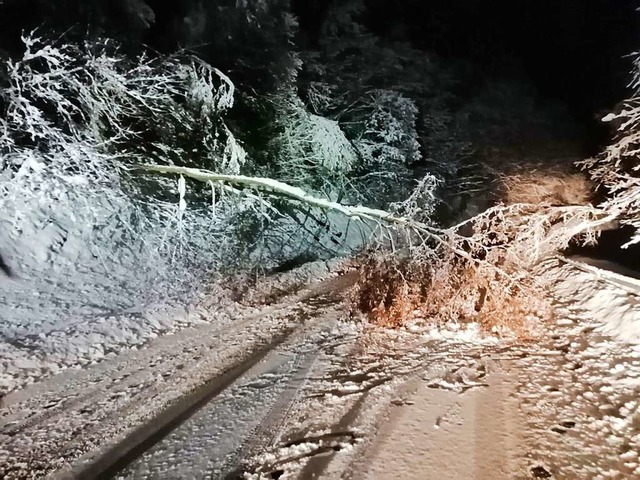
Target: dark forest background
[(358, 100), (571, 52)]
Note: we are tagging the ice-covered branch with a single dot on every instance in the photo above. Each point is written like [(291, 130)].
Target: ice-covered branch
[(283, 190), (521, 220)]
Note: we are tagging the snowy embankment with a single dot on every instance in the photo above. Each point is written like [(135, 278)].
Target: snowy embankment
[(103, 260), (96, 271), (82, 292), (610, 300)]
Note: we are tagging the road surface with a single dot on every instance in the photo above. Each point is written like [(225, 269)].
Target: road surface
[(297, 389)]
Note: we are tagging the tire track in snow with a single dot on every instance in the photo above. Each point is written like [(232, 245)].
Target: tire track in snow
[(241, 418), (76, 417)]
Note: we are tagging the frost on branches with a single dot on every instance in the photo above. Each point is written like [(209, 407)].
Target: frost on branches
[(311, 150), (617, 169), (103, 255), (75, 119), (387, 142)]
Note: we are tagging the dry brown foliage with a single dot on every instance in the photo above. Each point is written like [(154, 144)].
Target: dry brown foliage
[(545, 185), (480, 270), (541, 173), (393, 291), (483, 275)]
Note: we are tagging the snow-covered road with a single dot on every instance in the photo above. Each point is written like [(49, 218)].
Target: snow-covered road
[(99, 413), (296, 390), (244, 419)]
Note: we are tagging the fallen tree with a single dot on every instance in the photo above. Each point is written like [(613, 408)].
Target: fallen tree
[(476, 270), (90, 113)]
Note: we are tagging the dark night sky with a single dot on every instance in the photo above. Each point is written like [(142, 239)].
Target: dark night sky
[(571, 49)]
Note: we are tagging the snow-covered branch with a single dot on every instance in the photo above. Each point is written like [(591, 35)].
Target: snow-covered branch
[(283, 190), (539, 230), (617, 169)]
